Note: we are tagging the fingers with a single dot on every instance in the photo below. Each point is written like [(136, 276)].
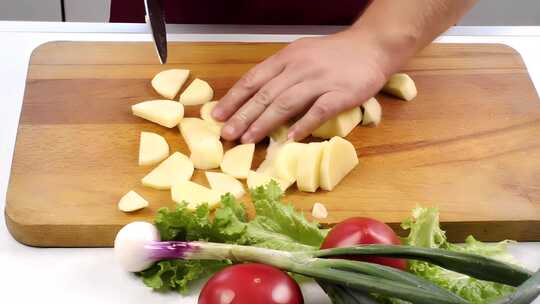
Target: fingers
[(240, 121), (327, 106), (291, 102), (247, 86)]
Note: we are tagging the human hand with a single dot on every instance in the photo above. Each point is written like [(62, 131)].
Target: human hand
[(315, 78)]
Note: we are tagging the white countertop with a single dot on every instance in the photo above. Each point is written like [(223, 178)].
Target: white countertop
[(90, 275)]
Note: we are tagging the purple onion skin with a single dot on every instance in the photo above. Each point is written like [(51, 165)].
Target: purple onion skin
[(170, 250)]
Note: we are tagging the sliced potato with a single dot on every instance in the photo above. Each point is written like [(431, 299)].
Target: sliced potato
[(224, 183), (203, 142), (237, 161), (281, 133), (168, 83), (206, 112), (197, 93), (319, 211), (174, 169), (132, 201), (167, 113), (402, 86), (194, 195), (341, 125), (256, 179), (271, 151), (372, 112), (309, 167), (153, 148), (338, 159), (284, 164)]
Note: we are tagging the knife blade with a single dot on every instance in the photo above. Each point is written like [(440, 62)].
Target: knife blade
[(155, 18)]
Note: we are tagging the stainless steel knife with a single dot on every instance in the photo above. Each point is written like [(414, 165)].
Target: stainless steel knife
[(155, 18)]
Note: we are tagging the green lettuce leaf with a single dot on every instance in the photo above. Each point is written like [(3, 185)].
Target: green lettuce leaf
[(275, 226), (425, 231)]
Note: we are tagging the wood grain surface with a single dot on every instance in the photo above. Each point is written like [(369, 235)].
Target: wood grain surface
[(469, 144)]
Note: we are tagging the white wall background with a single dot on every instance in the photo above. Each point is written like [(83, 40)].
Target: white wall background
[(487, 12)]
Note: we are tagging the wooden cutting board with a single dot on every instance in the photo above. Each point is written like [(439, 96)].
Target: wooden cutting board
[(469, 144)]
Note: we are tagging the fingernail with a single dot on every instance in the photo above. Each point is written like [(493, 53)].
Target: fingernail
[(247, 138), (228, 130), (217, 113), (291, 134)]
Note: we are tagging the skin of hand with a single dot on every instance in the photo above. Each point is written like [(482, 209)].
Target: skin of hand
[(314, 79)]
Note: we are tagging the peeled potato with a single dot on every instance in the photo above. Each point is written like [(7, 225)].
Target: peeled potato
[(206, 112), (284, 164), (237, 161), (198, 92), (194, 195), (153, 148), (401, 85), (203, 142), (167, 83), (338, 159), (309, 167), (281, 133), (271, 151), (224, 183), (167, 113), (319, 211), (132, 201), (256, 179), (174, 169), (341, 125), (372, 112)]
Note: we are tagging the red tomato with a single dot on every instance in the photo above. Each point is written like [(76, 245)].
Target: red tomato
[(253, 284), (361, 230)]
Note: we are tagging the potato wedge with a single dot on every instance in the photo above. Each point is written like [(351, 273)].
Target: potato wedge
[(132, 201), (256, 179), (402, 86), (168, 83), (341, 125), (284, 165), (224, 183), (338, 159), (372, 112), (309, 167), (237, 160), (197, 93), (153, 148), (271, 151), (203, 142), (194, 195), (319, 211), (167, 113), (174, 169)]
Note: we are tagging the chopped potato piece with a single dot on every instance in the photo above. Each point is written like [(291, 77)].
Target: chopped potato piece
[(197, 93), (341, 125), (237, 161), (319, 211), (167, 113), (401, 85), (194, 195), (174, 169), (338, 159), (132, 201), (203, 142), (281, 133), (271, 151), (309, 167), (168, 83), (206, 112), (372, 112), (256, 179), (224, 183), (286, 159), (153, 148)]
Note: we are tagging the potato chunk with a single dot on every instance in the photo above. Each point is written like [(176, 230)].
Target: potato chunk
[(197, 93), (402, 86), (194, 195), (174, 169), (237, 161), (285, 163), (341, 125), (372, 112), (203, 142), (167, 113), (153, 148), (168, 83), (132, 201), (256, 179), (309, 167), (224, 183), (338, 159)]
